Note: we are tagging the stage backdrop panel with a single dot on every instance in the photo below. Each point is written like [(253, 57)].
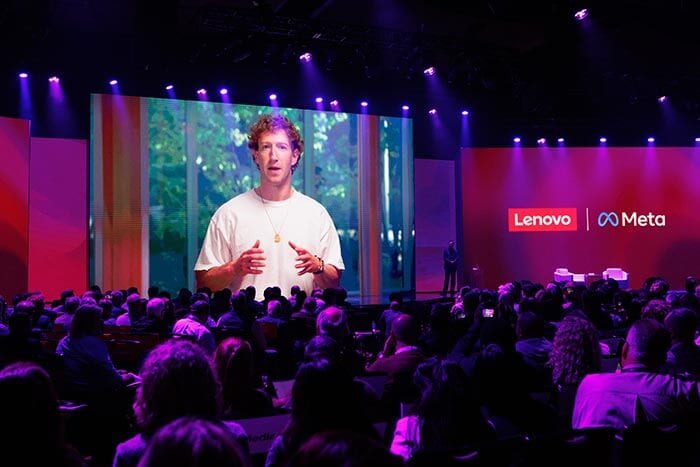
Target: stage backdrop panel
[(58, 216), (435, 219), (14, 206), (527, 211)]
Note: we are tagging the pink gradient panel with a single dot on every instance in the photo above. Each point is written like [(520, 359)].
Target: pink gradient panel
[(14, 206), (58, 216), (435, 219), (603, 185)]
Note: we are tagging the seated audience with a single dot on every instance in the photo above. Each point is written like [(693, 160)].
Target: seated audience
[(194, 326), (639, 394), (242, 396), (69, 308), (31, 431), (190, 441), (177, 380), (683, 358), (575, 351), (532, 344), (447, 416), (323, 399), (89, 372)]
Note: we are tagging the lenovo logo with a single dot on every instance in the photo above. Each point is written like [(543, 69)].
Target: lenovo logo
[(542, 220)]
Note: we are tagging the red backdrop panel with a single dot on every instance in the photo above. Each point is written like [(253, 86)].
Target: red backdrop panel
[(602, 185), (14, 205), (58, 216)]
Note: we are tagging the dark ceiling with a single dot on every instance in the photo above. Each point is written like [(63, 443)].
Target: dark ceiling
[(515, 63)]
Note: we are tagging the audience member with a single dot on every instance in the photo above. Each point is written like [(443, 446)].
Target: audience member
[(194, 327), (639, 394), (683, 358), (31, 432), (177, 380), (243, 396), (193, 442), (323, 399), (344, 449)]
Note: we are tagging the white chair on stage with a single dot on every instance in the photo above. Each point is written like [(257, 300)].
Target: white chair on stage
[(621, 277), (563, 275)]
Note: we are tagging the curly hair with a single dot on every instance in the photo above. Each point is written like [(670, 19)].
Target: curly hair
[(575, 351), (177, 380), (274, 122)]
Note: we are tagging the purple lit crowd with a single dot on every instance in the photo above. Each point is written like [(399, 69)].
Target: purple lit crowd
[(528, 374)]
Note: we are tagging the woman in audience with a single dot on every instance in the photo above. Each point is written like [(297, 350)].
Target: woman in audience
[(31, 431), (189, 441), (448, 418), (575, 351), (242, 397), (177, 380), (323, 398), (89, 371)]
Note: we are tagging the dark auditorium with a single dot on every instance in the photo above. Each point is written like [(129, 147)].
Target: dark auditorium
[(331, 233)]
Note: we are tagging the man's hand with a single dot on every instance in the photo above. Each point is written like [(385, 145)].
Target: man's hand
[(251, 261), (306, 262)]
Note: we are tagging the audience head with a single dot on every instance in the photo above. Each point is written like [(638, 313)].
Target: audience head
[(529, 325), (190, 441), (310, 305), (656, 309), (200, 310), (176, 380), (344, 449), (646, 344), (274, 308), (156, 308), (86, 322), (233, 360), (333, 322), (682, 324), (294, 290), (107, 308), (71, 305), (322, 348), (575, 351), (153, 291), (31, 423), (405, 329)]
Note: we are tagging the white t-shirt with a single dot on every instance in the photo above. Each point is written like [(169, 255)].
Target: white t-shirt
[(240, 222)]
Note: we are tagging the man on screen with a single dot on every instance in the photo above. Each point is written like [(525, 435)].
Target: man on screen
[(271, 235)]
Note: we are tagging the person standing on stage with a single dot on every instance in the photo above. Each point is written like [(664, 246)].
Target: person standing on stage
[(450, 256), (271, 235)]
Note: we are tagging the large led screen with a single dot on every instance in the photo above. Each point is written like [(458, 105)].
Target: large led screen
[(161, 167)]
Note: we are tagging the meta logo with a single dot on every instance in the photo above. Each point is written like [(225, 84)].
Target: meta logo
[(542, 220), (633, 219)]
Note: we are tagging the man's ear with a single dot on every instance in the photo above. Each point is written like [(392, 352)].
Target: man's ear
[(625, 352)]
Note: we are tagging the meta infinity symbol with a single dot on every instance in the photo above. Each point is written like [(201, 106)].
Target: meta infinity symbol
[(611, 218)]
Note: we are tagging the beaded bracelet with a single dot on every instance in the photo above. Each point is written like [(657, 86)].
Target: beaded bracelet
[(322, 267)]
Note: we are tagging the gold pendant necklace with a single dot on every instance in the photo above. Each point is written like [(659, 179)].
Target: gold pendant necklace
[(277, 238)]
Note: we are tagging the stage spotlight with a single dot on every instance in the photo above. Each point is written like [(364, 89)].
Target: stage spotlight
[(430, 71), (581, 14), (603, 140), (432, 111), (113, 82), (560, 140), (54, 79), (541, 141), (465, 112), (364, 103), (201, 91), (335, 103), (517, 140), (305, 57), (318, 100), (223, 91), (169, 87), (273, 97), (651, 139), (23, 75), (662, 99), (697, 140), (405, 107)]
